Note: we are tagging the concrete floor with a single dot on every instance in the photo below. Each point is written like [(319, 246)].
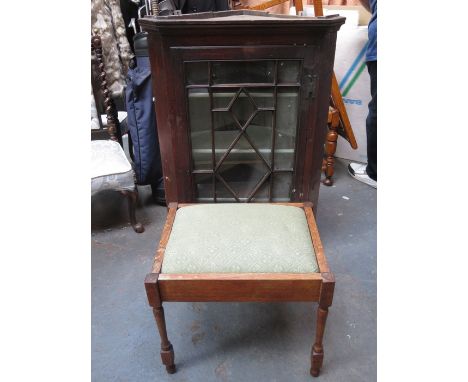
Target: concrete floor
[(234, 341)]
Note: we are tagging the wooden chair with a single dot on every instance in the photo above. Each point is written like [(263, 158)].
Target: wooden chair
[(110, 168)]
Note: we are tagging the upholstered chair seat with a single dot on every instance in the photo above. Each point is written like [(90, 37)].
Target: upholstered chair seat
[(110, 168), (240, 238)]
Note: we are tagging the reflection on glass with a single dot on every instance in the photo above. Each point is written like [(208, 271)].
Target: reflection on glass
[(225, 131), (288, 71), (243, 108), (203, 186), (222, 98), (262, 97), (233, 72), (259, 132), (262, 194), (286, 126), (244, 103), (200, 128), (196, 73), (222, 193), (281, 187), (242, 169)]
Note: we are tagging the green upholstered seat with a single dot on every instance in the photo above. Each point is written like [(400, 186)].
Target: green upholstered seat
[(239, 238)]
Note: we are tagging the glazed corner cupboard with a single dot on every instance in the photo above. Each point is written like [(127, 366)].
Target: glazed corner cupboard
[(241, 102), (241, 105)]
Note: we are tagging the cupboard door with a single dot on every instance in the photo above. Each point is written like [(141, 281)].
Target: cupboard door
[(243, 121)]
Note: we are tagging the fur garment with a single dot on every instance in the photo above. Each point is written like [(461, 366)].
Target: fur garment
[(106, 18)]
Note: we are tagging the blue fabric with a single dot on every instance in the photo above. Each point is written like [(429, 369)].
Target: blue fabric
[(371, 123), (371, 54), (142, 123)]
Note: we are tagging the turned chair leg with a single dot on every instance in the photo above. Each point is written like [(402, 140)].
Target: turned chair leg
[(328, 165), (326, 298), (132, 197), (167, 352), (317, 349)]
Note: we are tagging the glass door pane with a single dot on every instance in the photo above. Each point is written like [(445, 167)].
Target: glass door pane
[(243, 128)]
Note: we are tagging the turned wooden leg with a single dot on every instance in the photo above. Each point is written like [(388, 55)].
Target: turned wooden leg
[(326, 297), (167, 352), (154, 299), (328, 165), (317, 349), (132, 197)]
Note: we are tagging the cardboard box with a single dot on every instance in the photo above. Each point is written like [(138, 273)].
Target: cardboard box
[(356, 15), (352, 75), (363, 15), (353, 78)]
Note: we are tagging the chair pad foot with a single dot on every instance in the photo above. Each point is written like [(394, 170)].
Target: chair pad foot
[(138, 228)]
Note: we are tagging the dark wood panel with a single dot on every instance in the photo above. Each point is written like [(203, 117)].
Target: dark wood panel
[(165, 113), (241, 52)]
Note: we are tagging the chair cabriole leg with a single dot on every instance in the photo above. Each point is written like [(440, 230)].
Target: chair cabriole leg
[(132, 197)]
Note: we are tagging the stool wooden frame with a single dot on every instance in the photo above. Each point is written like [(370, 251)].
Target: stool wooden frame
[(241, 287)]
